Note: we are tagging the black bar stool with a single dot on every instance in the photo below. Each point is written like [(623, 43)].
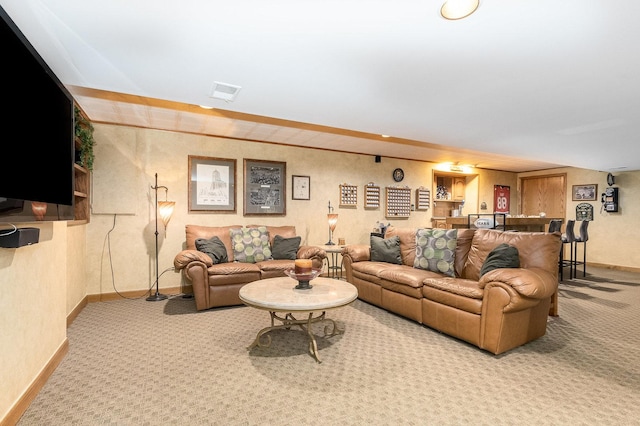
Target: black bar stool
[(568, 237), (555, 225), (582, 238)]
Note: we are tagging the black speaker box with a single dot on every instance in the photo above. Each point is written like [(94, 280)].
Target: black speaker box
[(21, 237), (378, 159)]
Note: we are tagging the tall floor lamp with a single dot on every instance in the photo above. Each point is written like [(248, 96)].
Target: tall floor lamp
[(165, 208), (333, 221)]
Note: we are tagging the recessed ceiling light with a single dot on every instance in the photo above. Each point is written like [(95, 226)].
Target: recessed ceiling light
[(458, 9), (205, 106)]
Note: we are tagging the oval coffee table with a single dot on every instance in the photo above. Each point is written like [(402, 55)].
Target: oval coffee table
[(278, 295)]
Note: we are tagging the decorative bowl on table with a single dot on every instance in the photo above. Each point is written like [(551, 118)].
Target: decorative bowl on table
[(304, 278)]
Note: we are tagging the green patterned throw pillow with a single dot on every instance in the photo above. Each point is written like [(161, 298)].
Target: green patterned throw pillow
[(250, 245), (435, 250)]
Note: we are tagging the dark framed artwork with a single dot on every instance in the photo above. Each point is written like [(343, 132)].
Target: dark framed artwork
[(212, 184), (584, 192), (300, 187), (264, 187)]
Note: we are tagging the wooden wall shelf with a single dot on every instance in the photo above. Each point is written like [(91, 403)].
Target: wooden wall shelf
[(82, 189), (423, 198), (371, 196)]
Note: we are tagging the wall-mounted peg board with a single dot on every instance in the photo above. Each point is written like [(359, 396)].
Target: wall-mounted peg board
[(348, 195), (398, 202)]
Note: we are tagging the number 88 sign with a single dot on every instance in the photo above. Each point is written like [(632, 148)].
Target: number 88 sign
[(501, 198)]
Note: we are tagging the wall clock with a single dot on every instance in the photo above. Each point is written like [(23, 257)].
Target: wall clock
[(398, 174), (611, 179)]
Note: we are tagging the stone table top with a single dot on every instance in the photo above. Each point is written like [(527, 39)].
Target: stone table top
[(279, 295)]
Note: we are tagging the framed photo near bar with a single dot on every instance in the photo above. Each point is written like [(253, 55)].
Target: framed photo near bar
[(212, 184), (584, 192), (264, 187), (301, 187)]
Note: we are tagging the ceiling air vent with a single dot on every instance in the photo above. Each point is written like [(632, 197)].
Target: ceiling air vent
[(224, 91)]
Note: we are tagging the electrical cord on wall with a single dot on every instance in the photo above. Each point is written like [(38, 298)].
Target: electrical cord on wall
[(107, 243)]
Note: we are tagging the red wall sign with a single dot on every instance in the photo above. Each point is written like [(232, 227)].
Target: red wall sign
[(501, 199)]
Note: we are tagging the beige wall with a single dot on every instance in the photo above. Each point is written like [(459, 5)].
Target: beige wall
[(76, 270), (32, 309), (131, 235), (613, 237), (489, 178)]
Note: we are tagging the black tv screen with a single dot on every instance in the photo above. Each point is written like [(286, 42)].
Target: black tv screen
[(38, 124)]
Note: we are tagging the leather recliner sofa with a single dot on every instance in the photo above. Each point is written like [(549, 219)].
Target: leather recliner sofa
[(499, 311), (216, 285)]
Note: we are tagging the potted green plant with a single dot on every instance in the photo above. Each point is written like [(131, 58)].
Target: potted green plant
[(84, 133)]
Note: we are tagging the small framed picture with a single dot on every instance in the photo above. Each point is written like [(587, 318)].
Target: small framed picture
[(584, 192), (301, 187), (212, 184), (264, 187)]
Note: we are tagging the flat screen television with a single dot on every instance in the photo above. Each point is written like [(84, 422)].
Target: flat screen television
[(38, 125)]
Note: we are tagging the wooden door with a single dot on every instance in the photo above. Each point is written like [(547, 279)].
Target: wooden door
[(544, 194)]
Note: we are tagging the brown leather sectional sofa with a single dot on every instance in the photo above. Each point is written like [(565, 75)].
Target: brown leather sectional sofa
[(503, 309), (219, 284)]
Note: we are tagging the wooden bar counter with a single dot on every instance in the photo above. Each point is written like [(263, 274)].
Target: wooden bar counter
[(527, 224)]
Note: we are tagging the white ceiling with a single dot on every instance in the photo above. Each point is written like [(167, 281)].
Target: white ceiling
[(518, 86)]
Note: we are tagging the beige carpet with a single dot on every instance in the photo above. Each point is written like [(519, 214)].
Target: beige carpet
[(133, 362)]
